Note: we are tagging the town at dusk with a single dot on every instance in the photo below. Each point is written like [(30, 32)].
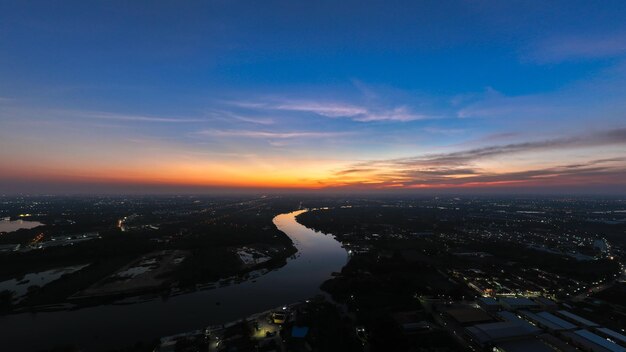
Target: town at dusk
[(312, 176)]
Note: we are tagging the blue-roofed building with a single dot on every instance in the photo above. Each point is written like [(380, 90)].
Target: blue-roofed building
[(525, 345), (512, 328), (547, 304), (613, 335), (514, 303), (589, 341), (580, 321), (557, 343), (548, 321), (513, 318), (488, 303), (469, 316), (484, 334)]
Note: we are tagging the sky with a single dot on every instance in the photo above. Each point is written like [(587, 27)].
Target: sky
[(149, 96)]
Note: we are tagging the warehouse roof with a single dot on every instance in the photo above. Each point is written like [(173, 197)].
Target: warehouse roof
[(579, 320)]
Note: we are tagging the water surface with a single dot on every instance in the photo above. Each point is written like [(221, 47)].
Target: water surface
[(108, 326), (20, 285), (14, 225)]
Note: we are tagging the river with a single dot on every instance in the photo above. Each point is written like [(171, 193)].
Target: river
[(10, 226), (107, 326)]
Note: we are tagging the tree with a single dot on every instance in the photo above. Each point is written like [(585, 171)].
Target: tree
[(6, 300)]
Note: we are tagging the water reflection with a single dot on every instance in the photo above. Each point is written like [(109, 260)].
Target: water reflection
[(20, 285), (10, 226), (103, 327)]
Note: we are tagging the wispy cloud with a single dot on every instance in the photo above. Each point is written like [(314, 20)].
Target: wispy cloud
[(583, 46), (134, 118), (229, 115), (47, 113), (268, 134), (495, 104), (339, 110), (444, 131), (592, 172), (617, 136), (461, 168), (323, 109), (400, 114), (254, 120)]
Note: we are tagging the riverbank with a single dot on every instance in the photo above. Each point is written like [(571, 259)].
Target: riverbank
[(126, 264), (106, 327)]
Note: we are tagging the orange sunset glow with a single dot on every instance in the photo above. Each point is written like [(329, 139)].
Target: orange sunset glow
[(239, 102)]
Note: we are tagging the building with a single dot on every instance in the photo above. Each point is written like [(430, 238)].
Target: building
[(489, 304), (493, 333), (515, 303), (512, 328), (469, 316), (589, 341), (558, 344), (613, 335), (547, 304), (525, 345), (580, 321), (548, 321)]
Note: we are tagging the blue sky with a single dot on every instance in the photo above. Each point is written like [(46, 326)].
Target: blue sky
[(295, 94)]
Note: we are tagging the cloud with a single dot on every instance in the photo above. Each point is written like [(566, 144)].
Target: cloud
[(323, 109), (580, 174), (563, 48), (268, 134), (255, 120), (338, 110), (42, 113), (593, 101), (617, 136), (228, 115), (354, 171), (444, 131), (400, 114), (460, 168), (497, 105), (134, 118)]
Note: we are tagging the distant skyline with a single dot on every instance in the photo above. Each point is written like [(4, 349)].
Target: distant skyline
[(197, 96)]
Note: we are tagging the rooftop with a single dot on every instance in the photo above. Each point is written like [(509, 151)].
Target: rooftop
[(517, 302), (501, 331), (545, 301), (549, 321), (469, 315), (600, 341), (613, 334), (525, 345), (489, 301), (580, 320)]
